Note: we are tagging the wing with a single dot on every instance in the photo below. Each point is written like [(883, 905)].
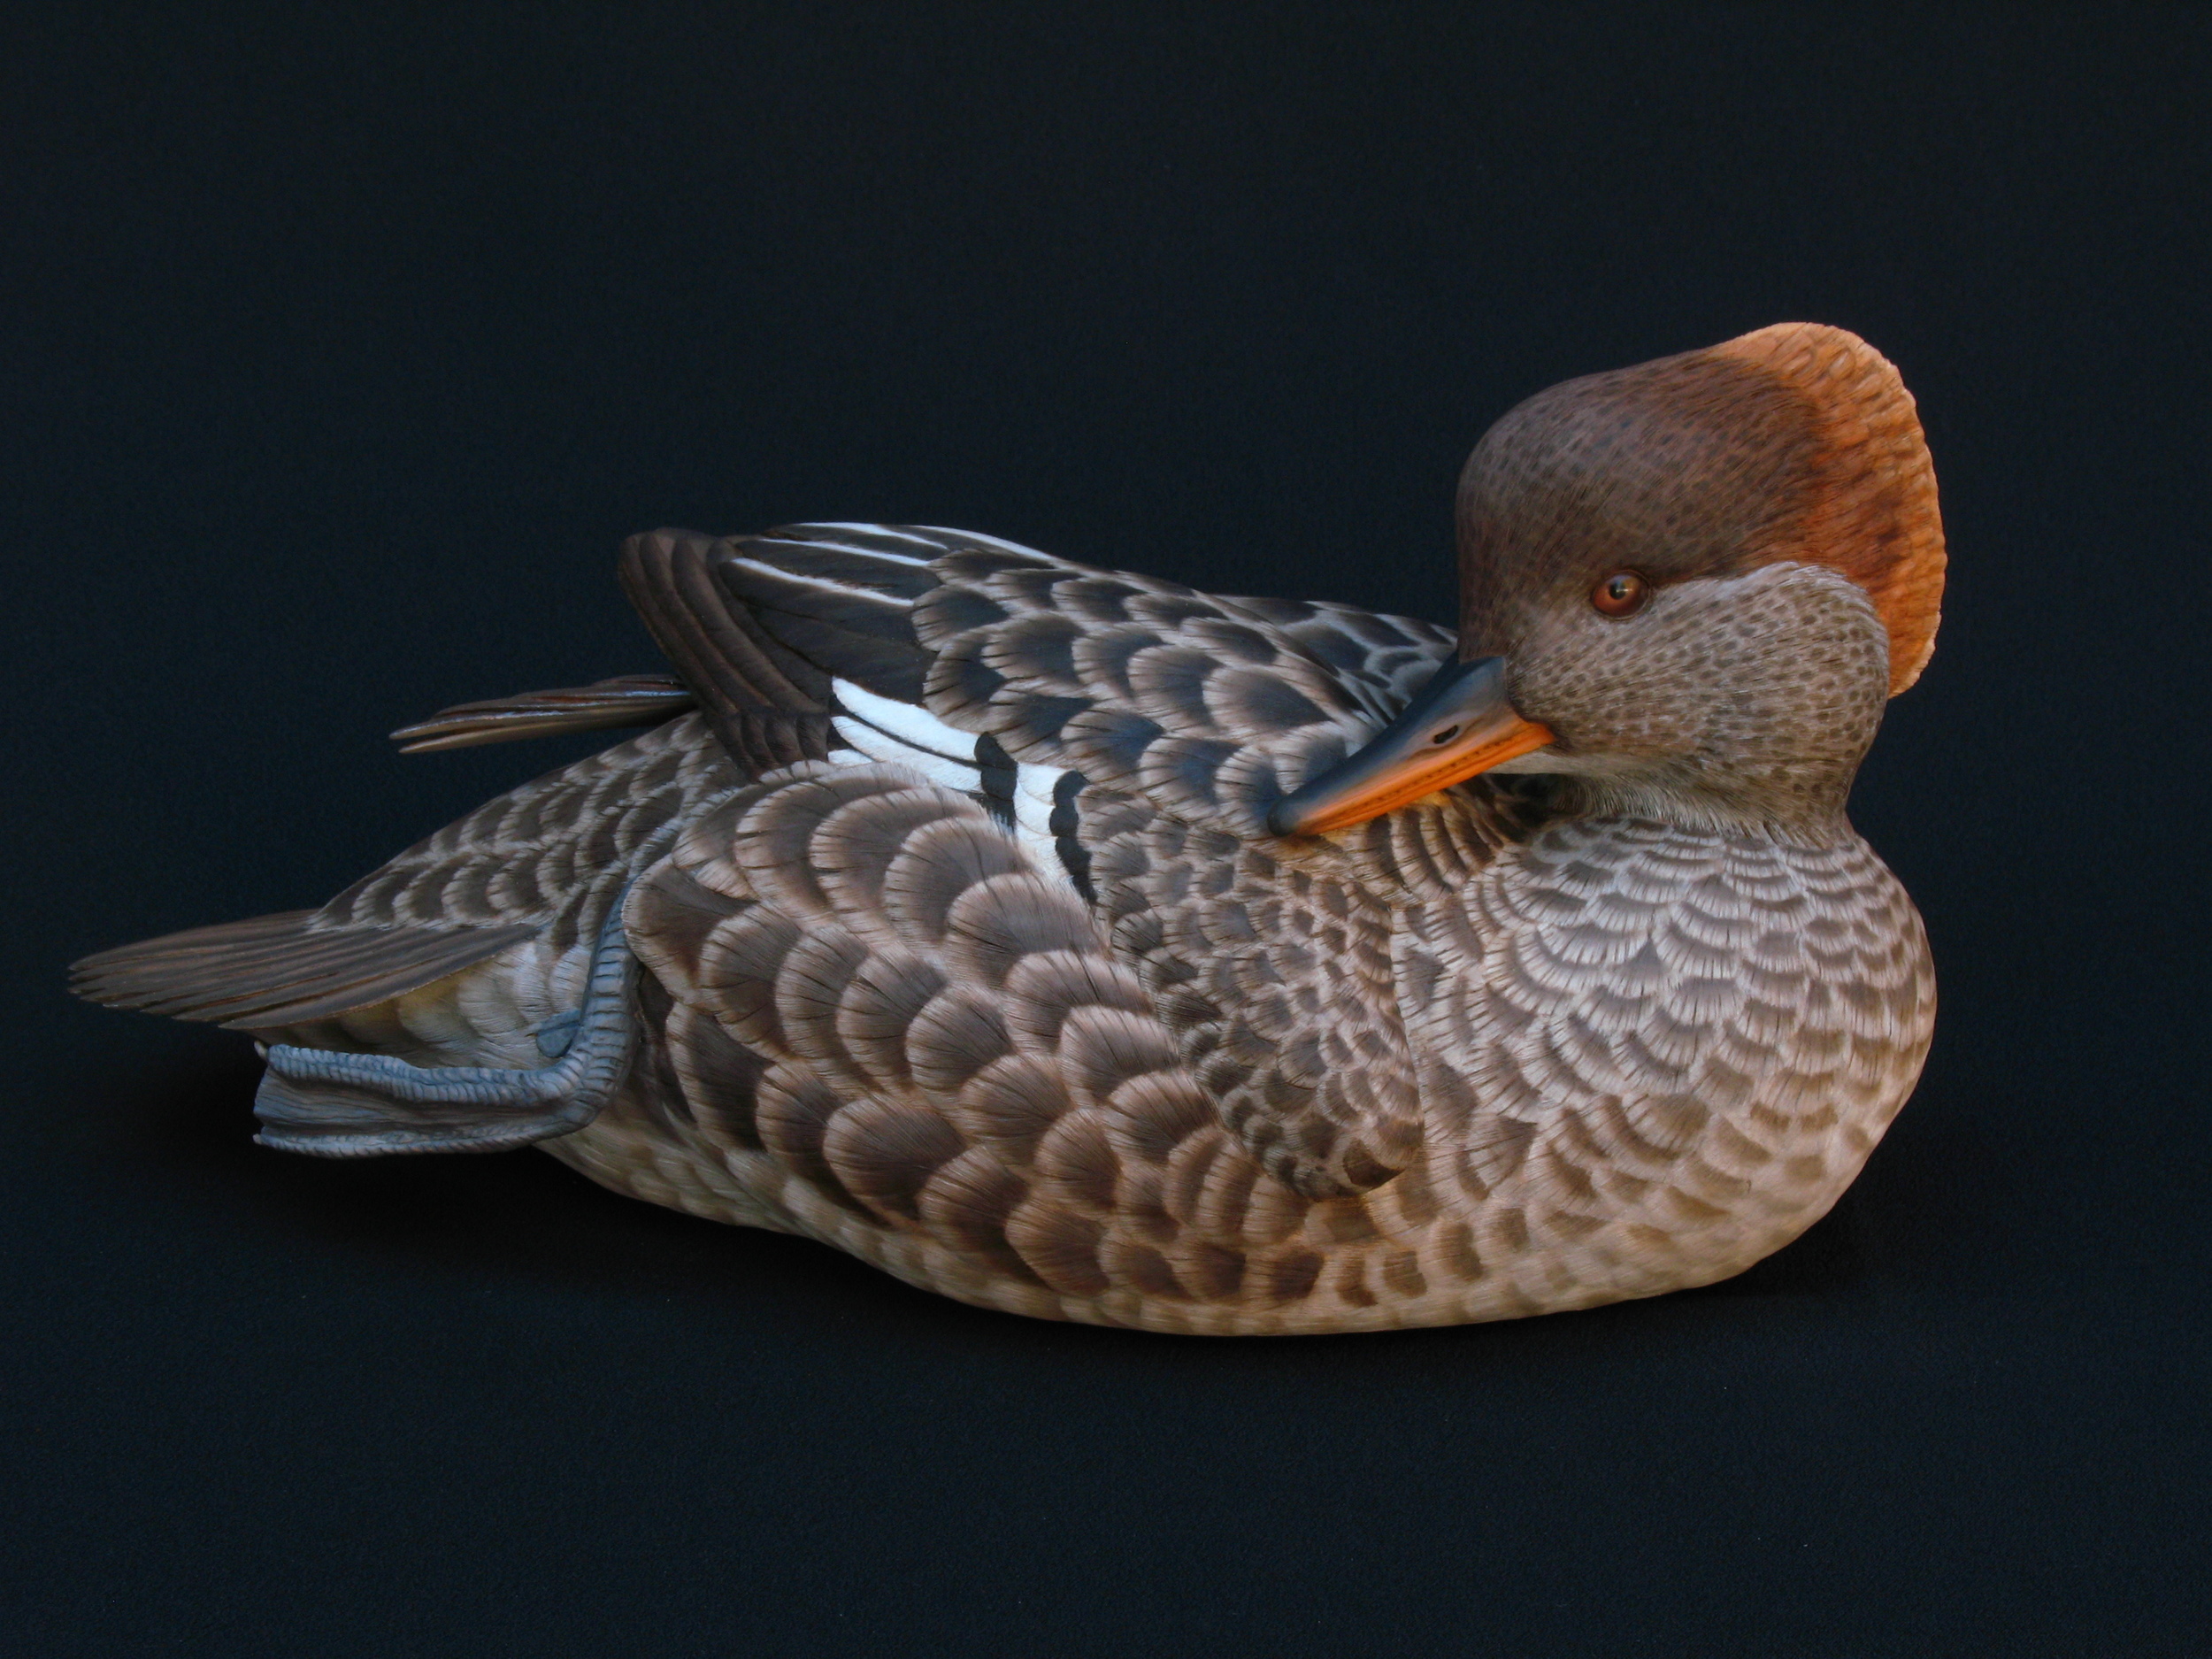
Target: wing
[(859, 636), (758, 627), (802, 644), (1211, 708), (542, 862), (1134, 734)]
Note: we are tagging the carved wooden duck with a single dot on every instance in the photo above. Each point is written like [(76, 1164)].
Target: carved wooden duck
[(1077, 944)]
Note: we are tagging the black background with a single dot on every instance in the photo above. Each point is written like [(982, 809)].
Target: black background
[(343, 345)]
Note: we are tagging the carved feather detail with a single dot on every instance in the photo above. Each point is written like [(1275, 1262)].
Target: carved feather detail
[(604, 705), (961, 943)]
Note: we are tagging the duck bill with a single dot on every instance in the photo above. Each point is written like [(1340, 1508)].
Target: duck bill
[(1459, 725)]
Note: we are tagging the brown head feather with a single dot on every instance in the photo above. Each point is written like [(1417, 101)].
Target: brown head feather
[(1793, 442)]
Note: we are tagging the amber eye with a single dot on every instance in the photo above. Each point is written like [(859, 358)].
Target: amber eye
[(1621, 594)]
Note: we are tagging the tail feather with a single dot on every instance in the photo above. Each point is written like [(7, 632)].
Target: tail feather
[(281, 970), (608, 705)]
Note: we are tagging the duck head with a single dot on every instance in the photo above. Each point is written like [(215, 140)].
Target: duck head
[(1690, 586)]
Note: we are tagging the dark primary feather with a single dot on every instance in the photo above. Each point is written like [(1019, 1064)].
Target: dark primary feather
[(604, 705), (842, 605), (768, 708), (758, 625)]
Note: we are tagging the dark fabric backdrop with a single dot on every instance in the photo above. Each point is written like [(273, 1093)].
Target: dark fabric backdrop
[(344, 343)]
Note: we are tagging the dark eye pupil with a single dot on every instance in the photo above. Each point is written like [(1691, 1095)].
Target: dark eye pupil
[(1446, 735), (1620, 595)]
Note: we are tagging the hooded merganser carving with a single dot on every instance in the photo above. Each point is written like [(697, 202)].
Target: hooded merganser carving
[(1078, 944)]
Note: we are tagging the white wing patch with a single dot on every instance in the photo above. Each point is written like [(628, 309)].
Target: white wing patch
[(1028, 799), (1033, 812), (902, 725), (883, 729)]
